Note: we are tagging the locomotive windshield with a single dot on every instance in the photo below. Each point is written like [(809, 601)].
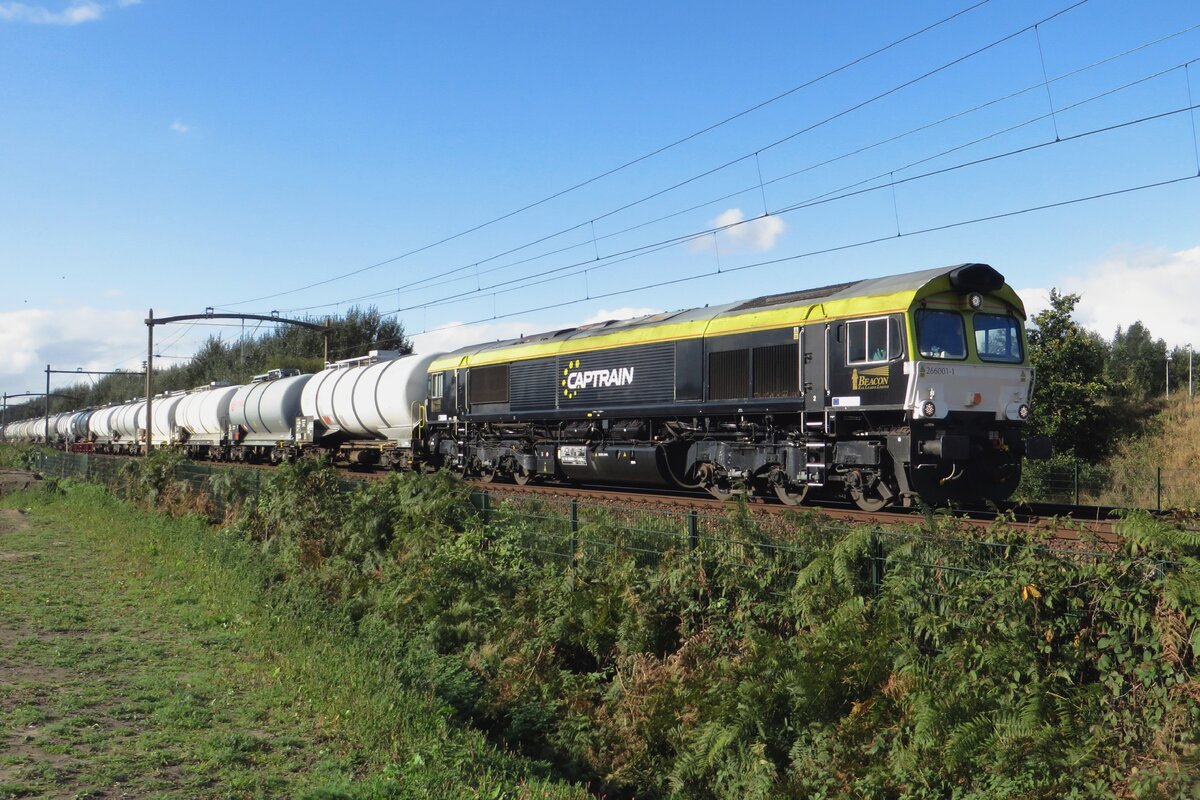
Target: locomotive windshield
[(998, 338), (940, 334)]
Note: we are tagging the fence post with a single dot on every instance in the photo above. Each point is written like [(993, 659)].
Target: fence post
[(693, 529), (485, 507), (1075, 474), (876, 563), (574, 550), (1158, 489)]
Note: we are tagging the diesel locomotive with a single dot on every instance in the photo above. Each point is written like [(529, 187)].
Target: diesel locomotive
[(880, 391)]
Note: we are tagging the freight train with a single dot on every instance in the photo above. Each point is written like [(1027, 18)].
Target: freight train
[(880, 391)]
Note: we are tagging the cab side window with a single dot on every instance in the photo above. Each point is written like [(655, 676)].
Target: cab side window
[(437, 386), (872, 341)]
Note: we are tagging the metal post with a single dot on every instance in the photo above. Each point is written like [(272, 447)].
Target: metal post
[(1158, 489), (149, 381), (877, 559), (1190, 395), (47, 404), (1075, 471), (693, 528), (574, 530), (1168, 377), (486, 507)]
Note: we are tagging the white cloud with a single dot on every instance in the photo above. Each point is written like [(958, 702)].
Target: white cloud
[(75, 13), (114, 292), (181, 128), (1155, 286), (82, 337), (739, 234), (451, 338), (1036, 300), (128, 3)]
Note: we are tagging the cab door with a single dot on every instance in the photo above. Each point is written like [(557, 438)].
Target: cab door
[(814, 366)]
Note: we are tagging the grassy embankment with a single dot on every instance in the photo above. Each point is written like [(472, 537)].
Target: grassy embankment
[(1171, 441), (142, 655), (729, 665)]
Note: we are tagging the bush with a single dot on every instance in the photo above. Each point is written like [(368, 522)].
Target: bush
[(978, 666)]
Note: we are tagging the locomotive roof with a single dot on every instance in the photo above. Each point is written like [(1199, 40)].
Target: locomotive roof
[(871, 296)]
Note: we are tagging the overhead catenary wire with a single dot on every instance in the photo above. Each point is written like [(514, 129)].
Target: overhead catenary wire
[(836, 195), (837, 115), (447, 276), (826, 251)]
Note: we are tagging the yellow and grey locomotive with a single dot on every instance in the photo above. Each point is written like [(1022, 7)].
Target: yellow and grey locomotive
[(880, 390)]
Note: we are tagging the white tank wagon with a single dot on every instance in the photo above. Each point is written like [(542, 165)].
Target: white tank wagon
[(202, 418), (369, 406), (31, 430), (77, 425), (164, 408), (100, 425), (262, 415), (71, 427), (126, 435)]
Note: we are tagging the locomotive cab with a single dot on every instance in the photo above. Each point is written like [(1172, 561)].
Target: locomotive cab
[(968, 389)]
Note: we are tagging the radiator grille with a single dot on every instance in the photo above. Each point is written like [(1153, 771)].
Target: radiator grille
[(489, 384), (777, 371), (729, 375)]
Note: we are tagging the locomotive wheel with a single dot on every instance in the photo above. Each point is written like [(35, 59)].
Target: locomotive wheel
[(487, 475), (790, 497), (523, 478), (713, 482), (719, 492), (868, 492), (867, 500)]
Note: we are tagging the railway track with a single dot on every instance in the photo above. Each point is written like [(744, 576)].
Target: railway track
[(1071, 523), (1093, 524)]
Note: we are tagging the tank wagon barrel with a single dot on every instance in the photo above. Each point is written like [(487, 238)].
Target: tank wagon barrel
[(367, 408)]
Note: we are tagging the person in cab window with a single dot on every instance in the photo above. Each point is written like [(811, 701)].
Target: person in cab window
[(941, 335)]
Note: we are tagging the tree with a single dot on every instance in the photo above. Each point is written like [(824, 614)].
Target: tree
[(1138, 362), (236, 361), (1069, 386)]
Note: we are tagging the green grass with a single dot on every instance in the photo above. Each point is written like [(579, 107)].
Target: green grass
[(145, 656)]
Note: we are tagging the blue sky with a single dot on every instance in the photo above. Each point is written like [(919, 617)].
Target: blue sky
[(177, 155)]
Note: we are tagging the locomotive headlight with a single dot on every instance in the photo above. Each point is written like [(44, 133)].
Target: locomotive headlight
[(928, 408), (1017, 411), (975, 300)]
